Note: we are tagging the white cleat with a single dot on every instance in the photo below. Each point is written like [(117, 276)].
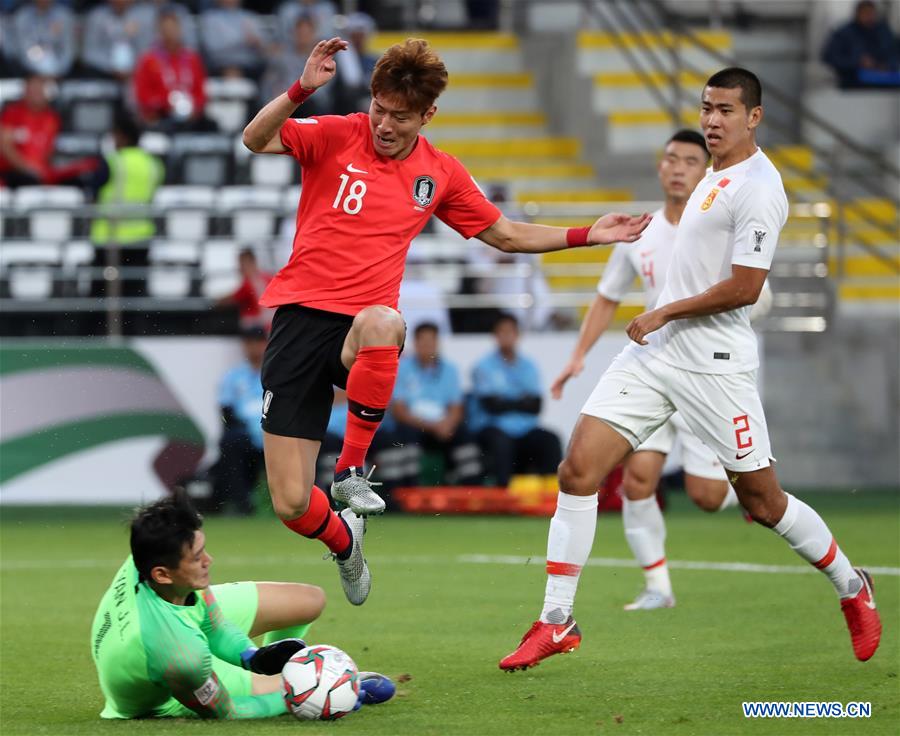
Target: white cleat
[(649, 600), (356, 492), (355, 578)]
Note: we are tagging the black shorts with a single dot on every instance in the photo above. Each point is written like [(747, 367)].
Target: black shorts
[(301, 367)]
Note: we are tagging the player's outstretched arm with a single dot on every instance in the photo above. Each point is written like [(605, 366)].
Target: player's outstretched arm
[(262, 133), (595, 323), (525, 237), (741, 290)]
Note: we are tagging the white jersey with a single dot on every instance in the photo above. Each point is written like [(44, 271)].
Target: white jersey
[(647, 258), (733, 217)]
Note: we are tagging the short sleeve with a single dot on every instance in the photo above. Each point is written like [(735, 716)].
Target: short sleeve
[(227, 393), (464, 207), (401, 392), (454, 390), (759, 211), (308, 139), (619, 274), (531, 376)]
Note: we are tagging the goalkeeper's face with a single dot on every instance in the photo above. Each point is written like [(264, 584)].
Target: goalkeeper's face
[(192, 572)]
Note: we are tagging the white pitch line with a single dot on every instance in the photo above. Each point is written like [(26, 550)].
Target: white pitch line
[(474, 559), (675, 564)]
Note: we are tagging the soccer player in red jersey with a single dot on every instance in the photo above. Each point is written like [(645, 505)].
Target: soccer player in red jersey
[(370, 184)]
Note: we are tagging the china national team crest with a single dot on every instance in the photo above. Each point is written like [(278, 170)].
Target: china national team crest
[(710, 198), (423, 190)]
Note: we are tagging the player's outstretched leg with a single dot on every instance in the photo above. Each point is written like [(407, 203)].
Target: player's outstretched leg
[(808, 535), (595, 449), (372, 350), (645, 529)]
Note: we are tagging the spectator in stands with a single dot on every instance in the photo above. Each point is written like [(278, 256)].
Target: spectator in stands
[(241, 447), (109, 46), (282, 72), (246, 296), (506, 404), (133, 178), (357, 64), (169, 81), (428, 407), (321, 12), (146, 13), (233, 40), (28, 131), (42, 40), (864, 52)]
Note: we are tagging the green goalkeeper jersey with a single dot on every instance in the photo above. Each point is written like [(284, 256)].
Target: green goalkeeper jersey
[(155, 658)]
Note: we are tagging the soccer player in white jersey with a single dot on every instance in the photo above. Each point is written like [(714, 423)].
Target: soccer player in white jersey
[(696, 353), (681, 168)]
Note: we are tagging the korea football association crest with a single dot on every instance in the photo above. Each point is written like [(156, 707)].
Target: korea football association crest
[(423, 190)]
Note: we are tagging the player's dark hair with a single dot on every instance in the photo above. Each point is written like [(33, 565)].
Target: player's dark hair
[(247, 253), (126, 126), (160, 531), (426, 327), (734, 77), (689, 136), (412, 72), (505, 317)]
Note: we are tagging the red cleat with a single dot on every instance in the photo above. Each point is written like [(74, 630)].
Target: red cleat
[(541, 641), (862, 618)]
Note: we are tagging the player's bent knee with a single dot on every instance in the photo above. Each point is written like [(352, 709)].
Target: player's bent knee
[(637, 487), (290, 509), (380, 323), (708, 496), (575, 477)]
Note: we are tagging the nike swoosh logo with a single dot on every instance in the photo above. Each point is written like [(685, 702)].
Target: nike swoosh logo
[(369, 413), (354, 170), (870, 603), (741, 457), (558, 637)]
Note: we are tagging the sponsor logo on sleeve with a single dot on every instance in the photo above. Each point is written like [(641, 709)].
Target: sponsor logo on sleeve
[(423, 190), (207, 692)]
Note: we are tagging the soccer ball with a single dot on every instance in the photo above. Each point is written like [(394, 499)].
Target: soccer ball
[(320, 683)]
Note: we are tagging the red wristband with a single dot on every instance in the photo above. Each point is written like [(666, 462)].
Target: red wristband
[(298, 93), (577, 236)]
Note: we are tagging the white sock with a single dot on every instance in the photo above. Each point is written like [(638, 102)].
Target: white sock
[(809, 536), (730, 500), (568, 547), (645, 532)]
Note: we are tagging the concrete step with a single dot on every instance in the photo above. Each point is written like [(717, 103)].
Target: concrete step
[(486, 124), (598, 51), (462, 52), (520, 149), (562, 196)]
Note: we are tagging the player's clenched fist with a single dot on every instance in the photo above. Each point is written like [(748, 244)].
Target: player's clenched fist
[(644, 324), (320, 66)]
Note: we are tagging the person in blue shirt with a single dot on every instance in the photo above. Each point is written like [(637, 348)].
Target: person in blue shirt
[(506, 403), (864, 52), (241, 446), (428, 407)]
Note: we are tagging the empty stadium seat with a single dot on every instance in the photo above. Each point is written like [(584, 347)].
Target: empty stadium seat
[(169, 282), (29, 268), (77, 257), (185, 211), (174, 252), (201, 159), (71, 146), (89, 104), (50, 211), (228, 101), (11, 89), (253, 211), (268, 170), (219, 268), (290, 198)]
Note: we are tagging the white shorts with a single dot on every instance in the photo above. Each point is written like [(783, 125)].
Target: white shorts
[(636, 396), (696, 458)]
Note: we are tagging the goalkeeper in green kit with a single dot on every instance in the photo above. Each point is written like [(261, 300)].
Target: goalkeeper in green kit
[(167, 644)]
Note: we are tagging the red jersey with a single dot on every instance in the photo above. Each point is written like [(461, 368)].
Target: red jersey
[(159, 73), (359, 212), (33, 131)]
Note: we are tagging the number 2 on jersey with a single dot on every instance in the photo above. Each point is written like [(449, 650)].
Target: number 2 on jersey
[(742, 424), (354, 200)]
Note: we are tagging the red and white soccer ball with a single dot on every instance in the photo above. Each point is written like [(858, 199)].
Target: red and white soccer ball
[(320, 683)]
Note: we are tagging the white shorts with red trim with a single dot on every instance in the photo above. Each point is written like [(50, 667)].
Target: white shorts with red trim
[(638, 395)]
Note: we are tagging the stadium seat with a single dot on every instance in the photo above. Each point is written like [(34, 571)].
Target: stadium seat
[(50, 211), (219, 268), (185, 211), (169, 282), (228, 102), (253, 211), (201, 159), (77, 257), (70, 146), (29, 268), (11, 89), (89, 104), (279, 171), (174, 252), (155, 142), (289, 200)]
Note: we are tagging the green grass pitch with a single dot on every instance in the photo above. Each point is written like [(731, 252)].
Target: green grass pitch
[(445, 621)]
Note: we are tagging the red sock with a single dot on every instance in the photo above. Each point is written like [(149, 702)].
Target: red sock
[(320, 522), (369, 388)]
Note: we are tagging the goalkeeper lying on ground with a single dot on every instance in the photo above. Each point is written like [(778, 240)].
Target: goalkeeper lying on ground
[(166, 643)]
